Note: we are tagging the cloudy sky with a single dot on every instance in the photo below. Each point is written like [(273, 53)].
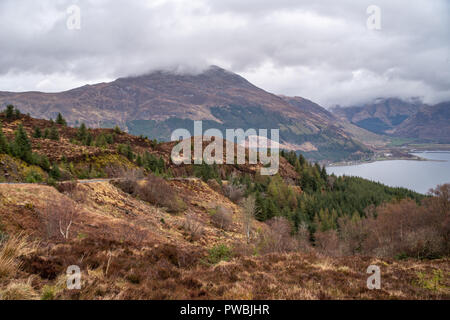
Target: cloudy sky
[(321, 50)]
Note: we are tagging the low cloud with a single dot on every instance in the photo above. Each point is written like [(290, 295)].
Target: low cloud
[(323, 52)]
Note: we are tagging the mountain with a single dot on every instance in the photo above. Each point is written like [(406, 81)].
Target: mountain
[(429, 124), (155, 104), (380, 116)]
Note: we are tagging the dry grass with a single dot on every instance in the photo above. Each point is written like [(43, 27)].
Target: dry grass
[(19, 290), (221, 218), (193, 227), (11, 249)]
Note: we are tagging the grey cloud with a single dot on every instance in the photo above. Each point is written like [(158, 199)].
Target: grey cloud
[(321, 50)]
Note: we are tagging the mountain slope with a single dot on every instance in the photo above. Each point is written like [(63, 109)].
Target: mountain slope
[(380, 116), (160, 102), (430, 124)]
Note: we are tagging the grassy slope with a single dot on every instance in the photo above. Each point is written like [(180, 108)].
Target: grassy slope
[(148, 255)]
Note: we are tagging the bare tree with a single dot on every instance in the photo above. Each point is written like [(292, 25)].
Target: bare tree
[(249, 210), (59, 218), (193, 226), (222, 218)]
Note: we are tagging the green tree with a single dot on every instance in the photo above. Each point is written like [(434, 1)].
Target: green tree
[(82, 133), (89, 139), (60, 120), (4, 147), (21, 145), (37, 133), (46, 134), (54, 134), (55, 173), (44, 163), (9, 112)]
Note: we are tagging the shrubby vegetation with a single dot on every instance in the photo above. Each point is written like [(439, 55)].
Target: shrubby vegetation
[(345, 215), (20, 147), (154, 190)]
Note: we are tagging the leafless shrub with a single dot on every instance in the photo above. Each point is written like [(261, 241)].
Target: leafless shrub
[(158, 192), (303, 237), (222, 218), (405, 228), (154, 190), (134, 233), (233, 192), (193, 226), (213, 184), (353, 233), (59, 218), (327, 242), (124, 172), (128, 179), (401, 228), (249, 212), (126, 185), (278, 238), (67, 187)]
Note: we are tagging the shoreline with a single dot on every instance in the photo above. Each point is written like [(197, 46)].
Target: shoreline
[(412, 158)]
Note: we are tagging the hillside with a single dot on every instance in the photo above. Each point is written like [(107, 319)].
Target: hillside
[(157, 103), (429, 124), (140, 227), (380, 116), (129, 249)]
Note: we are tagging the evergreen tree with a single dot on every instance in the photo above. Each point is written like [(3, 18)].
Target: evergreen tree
[(21, 145), (82, 133), (55, 173), (323, 173), (9, 112), (89, 139), (54, 134), (139, 161), (46, 134), (60, 120), (37, 133), (129, 153), (44, 163), (4, 147)]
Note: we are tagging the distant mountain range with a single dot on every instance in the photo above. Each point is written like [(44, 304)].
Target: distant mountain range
[(380, 116), (399, 118), (157, 103), (429, 124)]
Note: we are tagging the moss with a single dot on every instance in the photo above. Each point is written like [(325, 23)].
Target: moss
[(94, 167), (219, 253), (20, 171)]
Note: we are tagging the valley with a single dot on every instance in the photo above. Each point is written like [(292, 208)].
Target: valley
[(140, 227)]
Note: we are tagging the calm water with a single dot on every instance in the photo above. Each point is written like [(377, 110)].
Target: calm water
[(415, 175)]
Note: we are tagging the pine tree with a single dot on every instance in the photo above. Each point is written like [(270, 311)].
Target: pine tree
[(37, 133), (9, 112), (44, 163), (139, 161), (129, 153), (55, 173), (54, 134), (323, 173), (46, 133), (82, 133), (4, 147), (21, 145), (60, 120)]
